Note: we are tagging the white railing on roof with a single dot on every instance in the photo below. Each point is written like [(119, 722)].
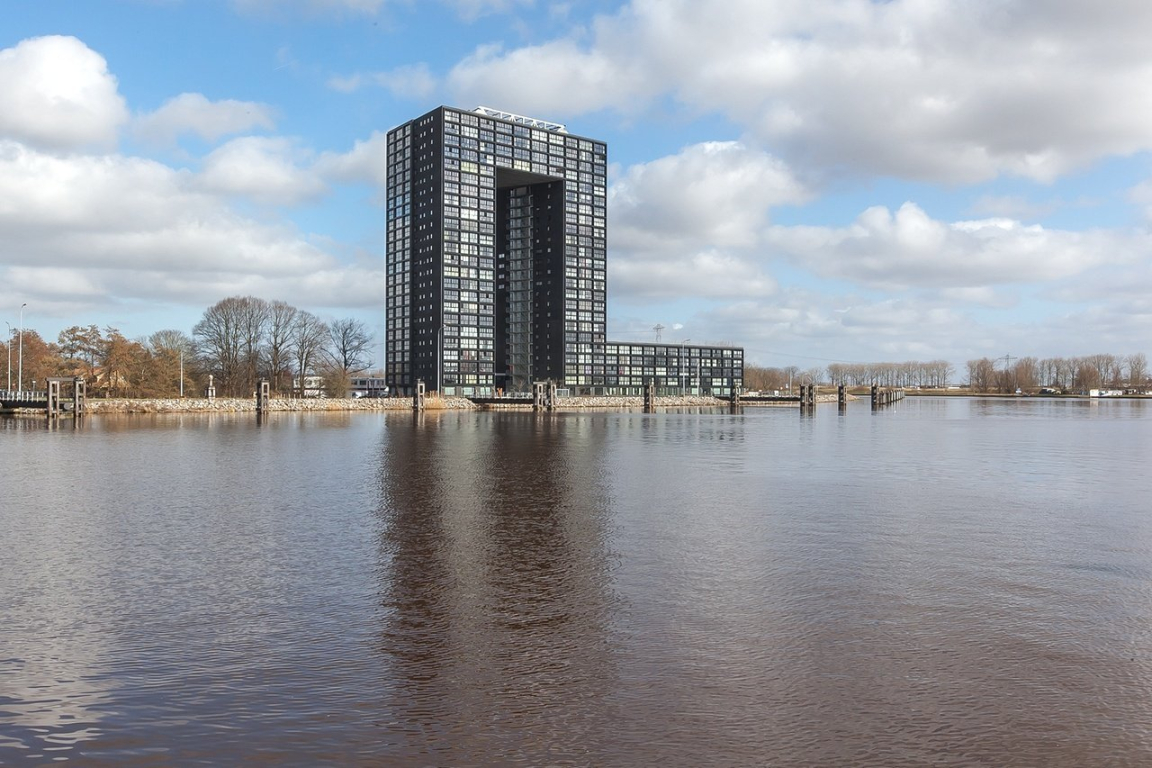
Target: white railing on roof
[(532, 122)]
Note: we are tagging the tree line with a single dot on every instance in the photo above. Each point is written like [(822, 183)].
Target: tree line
[(935, 373), (238, 341), (1004, 374), (1063, 374)]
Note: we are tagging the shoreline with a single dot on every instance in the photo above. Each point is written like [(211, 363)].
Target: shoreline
[(116, 406)]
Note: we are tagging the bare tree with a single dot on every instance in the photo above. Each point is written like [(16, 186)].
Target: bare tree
[(1137, 370), (278, 348), (253, 326), (981, 374), (229, 337), (308, 338), (349, 345)]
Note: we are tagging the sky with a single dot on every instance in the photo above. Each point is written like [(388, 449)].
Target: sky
[(815, 180)]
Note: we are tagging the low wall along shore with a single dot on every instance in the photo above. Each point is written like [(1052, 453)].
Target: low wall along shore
[(235, 405)]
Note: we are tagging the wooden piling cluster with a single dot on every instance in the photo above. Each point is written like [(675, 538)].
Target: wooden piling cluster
[(649, 396), (55, 404), (544, 395), (882, 396), (807, 397)]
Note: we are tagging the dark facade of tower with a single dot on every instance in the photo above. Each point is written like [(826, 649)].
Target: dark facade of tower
[(496, 253), (496, 265)]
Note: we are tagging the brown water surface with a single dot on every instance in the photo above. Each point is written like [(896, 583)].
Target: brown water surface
[(946, 582)]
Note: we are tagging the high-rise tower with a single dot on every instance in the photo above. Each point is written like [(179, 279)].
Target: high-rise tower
[(496, 253)]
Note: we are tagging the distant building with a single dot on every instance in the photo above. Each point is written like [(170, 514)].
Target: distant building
[(497, 265), (309, 386), (367, 386)]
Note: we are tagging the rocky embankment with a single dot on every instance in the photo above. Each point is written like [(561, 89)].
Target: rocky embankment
[(236, 405), (567, 403)]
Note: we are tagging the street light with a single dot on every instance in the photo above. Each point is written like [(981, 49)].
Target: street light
[(8, 344), (20, 375)]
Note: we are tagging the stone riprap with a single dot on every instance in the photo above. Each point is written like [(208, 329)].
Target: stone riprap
[(236, 404)]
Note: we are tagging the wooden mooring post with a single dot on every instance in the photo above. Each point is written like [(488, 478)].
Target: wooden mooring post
[(418, 396), (807, 398), (734, 398), (54, 406), (841, 397), (263, 396), (649, 396)]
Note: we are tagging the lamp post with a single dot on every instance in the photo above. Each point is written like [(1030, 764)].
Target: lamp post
[(20, 375), (8, 344)]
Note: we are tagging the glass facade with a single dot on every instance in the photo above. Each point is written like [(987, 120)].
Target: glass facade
[(497, 261), (674, 369)]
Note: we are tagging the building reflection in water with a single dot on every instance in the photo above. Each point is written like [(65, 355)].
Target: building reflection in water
[(495, 584)]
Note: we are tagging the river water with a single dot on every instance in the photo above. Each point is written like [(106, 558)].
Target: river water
[(944, 582)]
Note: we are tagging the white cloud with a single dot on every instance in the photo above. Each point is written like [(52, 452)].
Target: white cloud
[(955, 90), (704, 274), (413, 81), (84, 230), (56, 93), (687, 224), (715, 193), (799, 327), (909, 249), (266, 170), (366, 162), (195, 114), (551, 81)]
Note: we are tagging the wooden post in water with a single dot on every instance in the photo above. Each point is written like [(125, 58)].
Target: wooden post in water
[(418, 396), (875, 397), (649, 396), (550, 400), (79, 396), (842, 397), (53, 398), (538, 396), (263, 396)]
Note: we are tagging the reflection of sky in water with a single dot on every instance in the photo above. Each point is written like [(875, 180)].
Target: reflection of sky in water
[(52, 630), (41, 718)]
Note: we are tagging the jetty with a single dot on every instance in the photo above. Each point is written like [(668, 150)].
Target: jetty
[(65, 395)]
